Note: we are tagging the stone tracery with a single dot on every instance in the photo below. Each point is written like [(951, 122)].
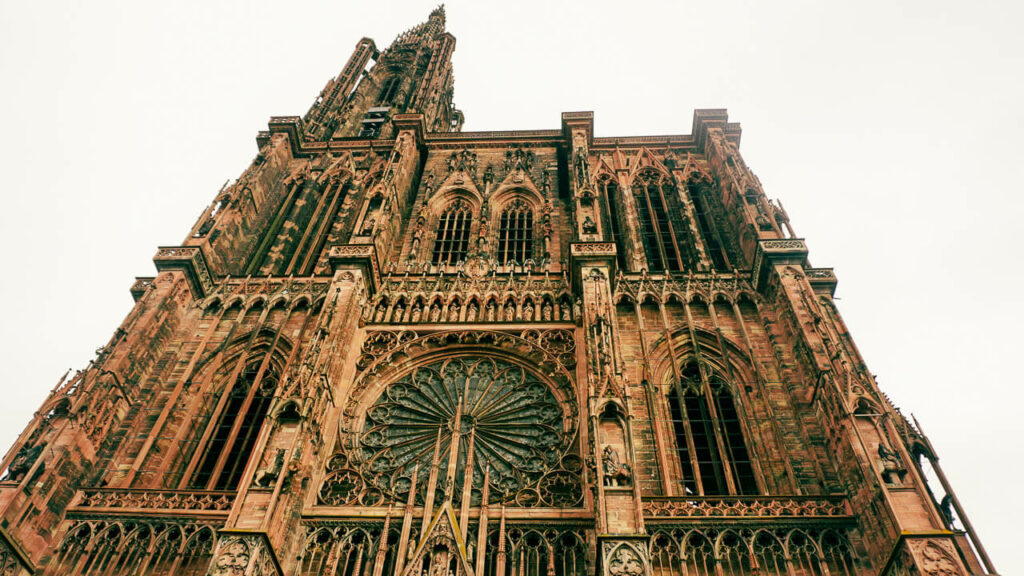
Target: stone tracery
[(508, 424)]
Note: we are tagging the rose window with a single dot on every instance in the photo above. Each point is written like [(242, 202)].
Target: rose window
[(507, 417)]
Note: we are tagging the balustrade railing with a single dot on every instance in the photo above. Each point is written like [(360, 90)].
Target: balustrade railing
[(188, 501), (746, 507)]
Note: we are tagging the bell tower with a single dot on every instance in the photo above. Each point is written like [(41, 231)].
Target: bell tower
[(413, 75)]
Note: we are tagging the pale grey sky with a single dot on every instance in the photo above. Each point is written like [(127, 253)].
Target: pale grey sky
[(890, 131)]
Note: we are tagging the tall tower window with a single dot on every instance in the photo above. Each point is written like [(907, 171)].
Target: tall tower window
[(515, 233), (389, 90), (705, 221), (661, 225), (237, 426), (610, 190), (452, 241), (709, 439)]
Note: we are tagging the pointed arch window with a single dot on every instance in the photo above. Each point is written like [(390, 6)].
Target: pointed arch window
[(705, 222), (240, 416), (452, 241), (515, 233), (389, 90), (610, 190), (709, 438), (661, 223)]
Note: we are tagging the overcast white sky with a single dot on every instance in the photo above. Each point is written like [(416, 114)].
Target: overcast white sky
[(890, 131)]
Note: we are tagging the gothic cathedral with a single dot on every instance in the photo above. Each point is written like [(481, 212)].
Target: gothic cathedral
[(394, 348)]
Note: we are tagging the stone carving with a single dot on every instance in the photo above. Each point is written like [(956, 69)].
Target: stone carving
[(9, 563), (616, 472), (23, 462), (517, 158), (743, 506), (266, 477), (462, 160), (179, 500), (232, 559), (892, 470), (769, 245), (517, 423), (624, 561), (581, 169), (935, 561), (703, 287)]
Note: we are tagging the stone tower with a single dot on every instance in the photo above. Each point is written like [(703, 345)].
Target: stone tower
[(393, 348)]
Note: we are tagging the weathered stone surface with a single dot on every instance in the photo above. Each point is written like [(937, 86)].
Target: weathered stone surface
[(395, 348)]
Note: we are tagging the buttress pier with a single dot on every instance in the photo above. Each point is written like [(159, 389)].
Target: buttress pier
[(395, 348)]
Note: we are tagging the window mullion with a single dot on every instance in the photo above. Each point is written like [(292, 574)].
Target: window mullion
[(716, 427), (654, 228), (671, 229)]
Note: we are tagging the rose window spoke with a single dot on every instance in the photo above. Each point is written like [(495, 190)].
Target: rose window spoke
[(513, 420)]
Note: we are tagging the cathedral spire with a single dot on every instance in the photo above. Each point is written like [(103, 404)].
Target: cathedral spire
[(432, 27), (412, 75)]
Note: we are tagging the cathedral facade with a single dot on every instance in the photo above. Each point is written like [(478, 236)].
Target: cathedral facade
[(395, 348)]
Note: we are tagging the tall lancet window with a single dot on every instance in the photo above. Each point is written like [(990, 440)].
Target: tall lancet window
[(661, 223), (389, 90), (515, 233), (610, 191), (713, 455), (239, 417), (452, 241)]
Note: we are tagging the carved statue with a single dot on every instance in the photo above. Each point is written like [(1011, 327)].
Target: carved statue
[(471, 312), (528, 312), (266, 477), (546, 311), (368, 227), (946, 508), (589, 226), (481, 240), (23, 462), (428, 186), (670, 161), (381, 309), (417, 236), (510, 312), (491, 311), (398, 313), (892, 471), (581, 168), (206, 227), (453, 312), (616, 472), (566, 312), (417, 313), (435, 313)]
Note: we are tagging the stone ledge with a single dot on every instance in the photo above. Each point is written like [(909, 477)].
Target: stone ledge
[(190, 260)]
